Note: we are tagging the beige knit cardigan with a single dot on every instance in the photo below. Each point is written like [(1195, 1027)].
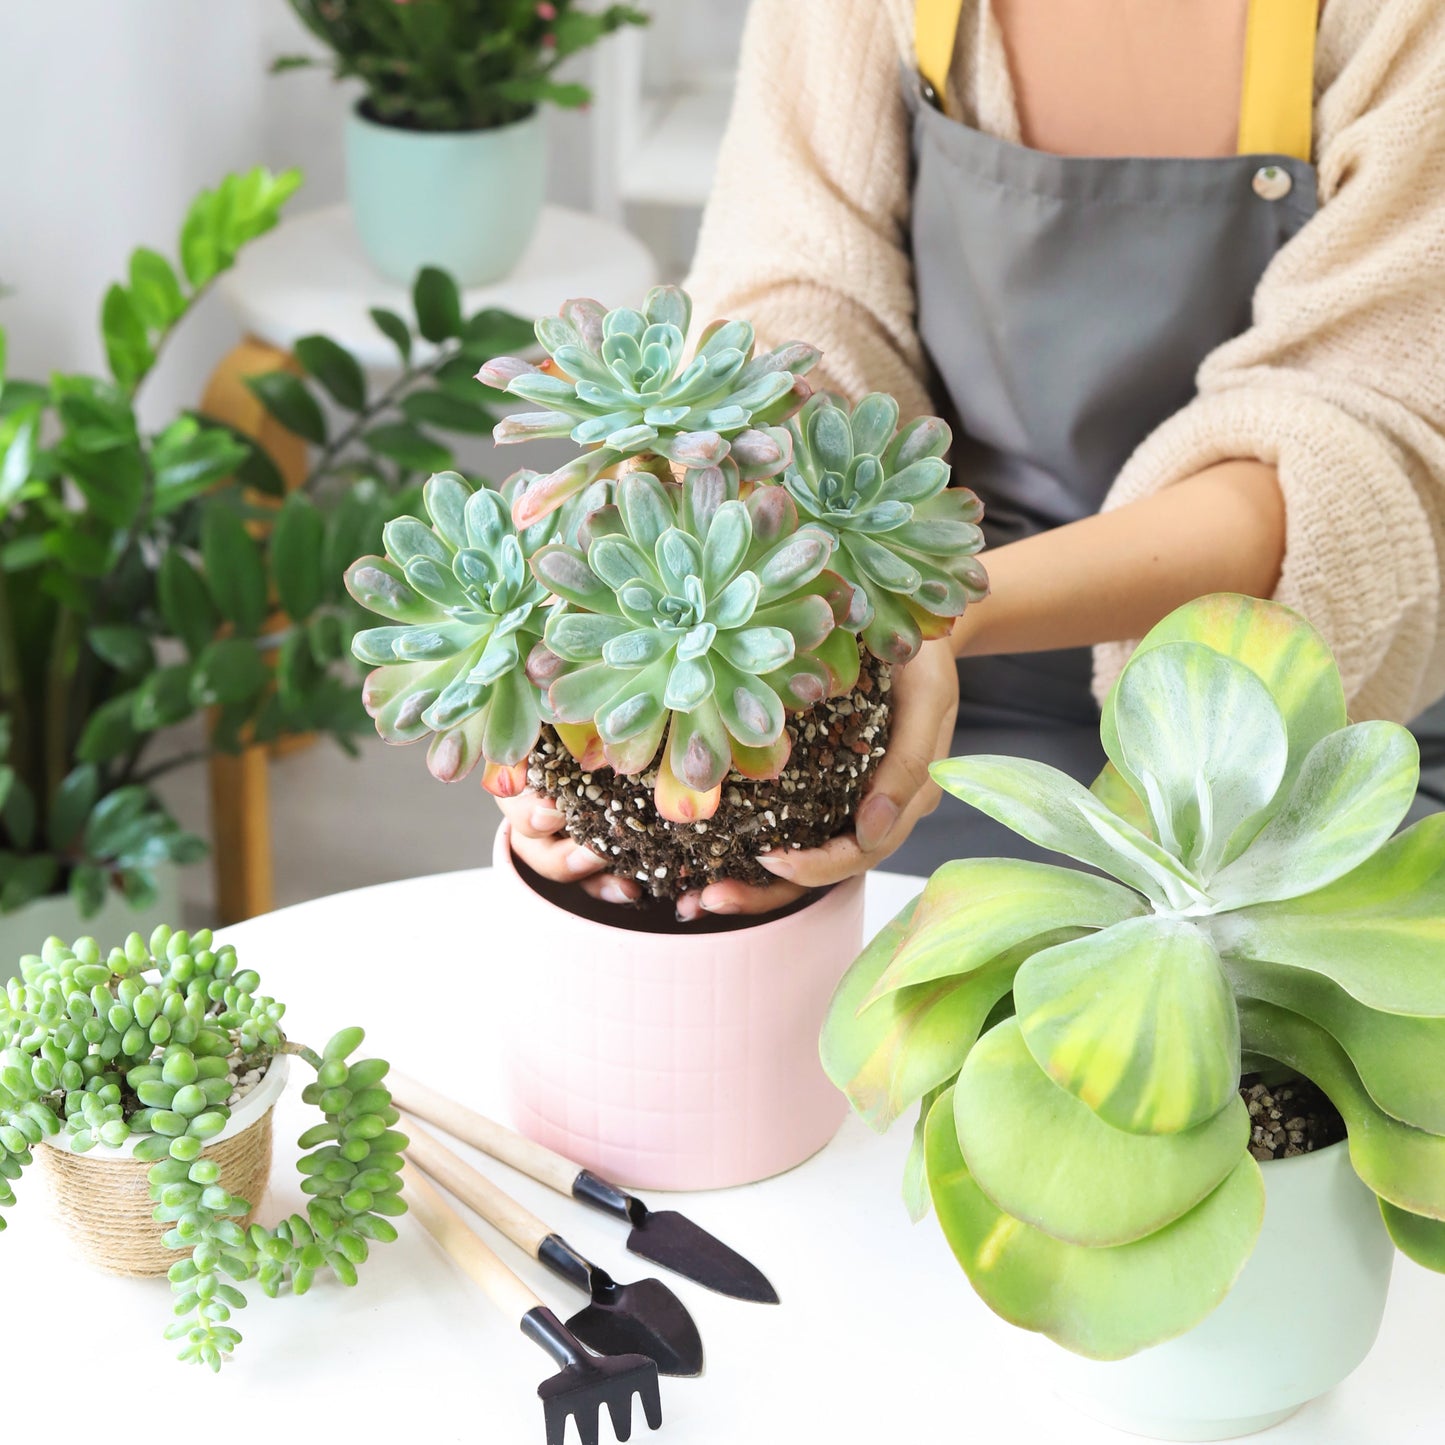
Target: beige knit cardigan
[(1339, 382)]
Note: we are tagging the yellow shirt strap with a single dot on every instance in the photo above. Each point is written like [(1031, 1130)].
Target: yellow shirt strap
[(1276, 111), (935, 29)]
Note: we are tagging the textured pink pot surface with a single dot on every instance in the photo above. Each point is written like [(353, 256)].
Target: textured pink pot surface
[(669, 1061)]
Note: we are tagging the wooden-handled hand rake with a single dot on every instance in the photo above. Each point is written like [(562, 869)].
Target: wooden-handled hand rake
[(585, 1382)]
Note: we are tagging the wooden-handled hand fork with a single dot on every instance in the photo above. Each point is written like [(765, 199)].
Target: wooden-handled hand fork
[(585, 1382), (641, 1318)]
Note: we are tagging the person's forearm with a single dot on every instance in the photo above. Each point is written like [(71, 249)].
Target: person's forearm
[(1113, 576)]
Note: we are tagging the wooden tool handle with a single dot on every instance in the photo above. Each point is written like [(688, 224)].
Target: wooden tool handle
[(482, 1133), (476, 1191), (467, 1250)]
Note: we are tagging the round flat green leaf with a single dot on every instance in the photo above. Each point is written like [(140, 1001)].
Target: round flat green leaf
[(1047, 1159), (1278, 646), (1200, 740), (1137, 1020), (1403, 1165), (1400, 1060), (1377, 932), (1423, 1240), (1350, 796), (974, 909), (1049, 808), (1105, 1303)]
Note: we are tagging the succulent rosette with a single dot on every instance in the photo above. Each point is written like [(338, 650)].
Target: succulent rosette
[(905, 539), (1249, 904), (695, 621), (464, 612), (616, 382)]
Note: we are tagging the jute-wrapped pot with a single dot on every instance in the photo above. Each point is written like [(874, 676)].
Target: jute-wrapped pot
[(104, 1199)]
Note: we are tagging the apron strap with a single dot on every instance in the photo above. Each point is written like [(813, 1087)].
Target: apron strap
[(1276, 110), (935, 29)]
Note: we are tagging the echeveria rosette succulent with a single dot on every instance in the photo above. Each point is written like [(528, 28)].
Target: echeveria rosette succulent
[(465, 612), (1256, 910), (140, 1045), (616, 382), (696, 617), (905, 539)]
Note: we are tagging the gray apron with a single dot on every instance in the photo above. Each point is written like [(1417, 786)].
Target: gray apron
[(1065, 305)]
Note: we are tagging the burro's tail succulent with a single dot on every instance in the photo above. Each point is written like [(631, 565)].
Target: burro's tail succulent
[(464, 612), (1076, 1039), (617, 384), (695, 617), (905, 539)]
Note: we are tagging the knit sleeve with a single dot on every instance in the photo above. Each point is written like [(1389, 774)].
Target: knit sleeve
[(1339, 381), (806, 230)]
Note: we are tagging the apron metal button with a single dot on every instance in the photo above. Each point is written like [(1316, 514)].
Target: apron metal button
[(1273, 183)]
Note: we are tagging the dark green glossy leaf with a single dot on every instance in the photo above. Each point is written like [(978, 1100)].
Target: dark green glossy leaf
[(127, 348), (498, 333), (188, 459), (26, 878), (438, 304), (154, 290), (110, 818), (125, 648), (20, 813), (72, 804), (185, 602), (395, 329), (89, 886), (296, 546), (335, 368), (163, 698), (112, 481), (109, 732), (450, 413), (235, 571), (286, 398), (402, 443), (228, 671)]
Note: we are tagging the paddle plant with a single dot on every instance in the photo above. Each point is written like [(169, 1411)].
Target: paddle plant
[(1076, 1039), (684, 632)]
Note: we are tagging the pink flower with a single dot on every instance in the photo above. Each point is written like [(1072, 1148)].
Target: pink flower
[(547, 11)]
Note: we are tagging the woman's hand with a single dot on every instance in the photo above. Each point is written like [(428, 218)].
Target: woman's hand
[(538, 840), (925, 702)]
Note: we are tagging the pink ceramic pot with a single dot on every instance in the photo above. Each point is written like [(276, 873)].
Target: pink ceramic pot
[(674, 1060)]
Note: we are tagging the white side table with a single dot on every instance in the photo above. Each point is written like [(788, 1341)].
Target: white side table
[(309, 276)]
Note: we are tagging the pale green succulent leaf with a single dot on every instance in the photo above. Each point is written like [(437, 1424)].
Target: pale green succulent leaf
[(639, 647), (678, 558), (581, 636), (1137, 1021), (756, 649), (729, 535), (1403, 1165), (618, 560), (915, 1166), (380, 586), (1103, 1303), (487, 520), (407, 537), (1348, 797), (564, 572), (791, 565), (1378, 932), (925, 437), (974, 909), (1050, 809), (446, 495), (578, 696), (1423, 1240), (689, 683), (1199, 738), (699, 749), (428, 643), (512, 720), (735, 604), (1118, 797), (1078, 1178), (750, 709), (1397, 1057), (874, 421)]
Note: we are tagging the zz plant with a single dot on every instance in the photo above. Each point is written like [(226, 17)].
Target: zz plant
[(699, 575), (1076, 1039), (143, 1044)]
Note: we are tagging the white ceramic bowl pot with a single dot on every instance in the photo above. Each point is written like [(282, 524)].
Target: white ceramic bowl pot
[(467, 201), (103, 1198), (678, 1059), (1302, 1315)]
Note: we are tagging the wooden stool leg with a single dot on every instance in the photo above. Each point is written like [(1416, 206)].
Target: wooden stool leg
[(240, 797)]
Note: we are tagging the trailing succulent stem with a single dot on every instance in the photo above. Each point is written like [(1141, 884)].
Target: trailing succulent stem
[(1247, 897), (145, 1044)]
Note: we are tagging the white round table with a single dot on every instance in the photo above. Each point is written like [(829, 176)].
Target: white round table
[(878, 1338), (310, 275)]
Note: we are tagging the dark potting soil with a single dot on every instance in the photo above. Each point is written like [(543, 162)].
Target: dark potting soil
[(836, 745), (1294, 1117)]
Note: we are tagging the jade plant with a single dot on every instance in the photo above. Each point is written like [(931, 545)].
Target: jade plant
[(1076, 1039), (145, 1044), (695, 663)]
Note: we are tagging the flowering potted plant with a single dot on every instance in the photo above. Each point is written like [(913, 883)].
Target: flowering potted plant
[(684, 637), (445, 152), (1241, 1004), (143, 1081)]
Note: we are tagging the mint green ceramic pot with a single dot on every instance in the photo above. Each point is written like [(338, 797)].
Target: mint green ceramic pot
[(466, 201)]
